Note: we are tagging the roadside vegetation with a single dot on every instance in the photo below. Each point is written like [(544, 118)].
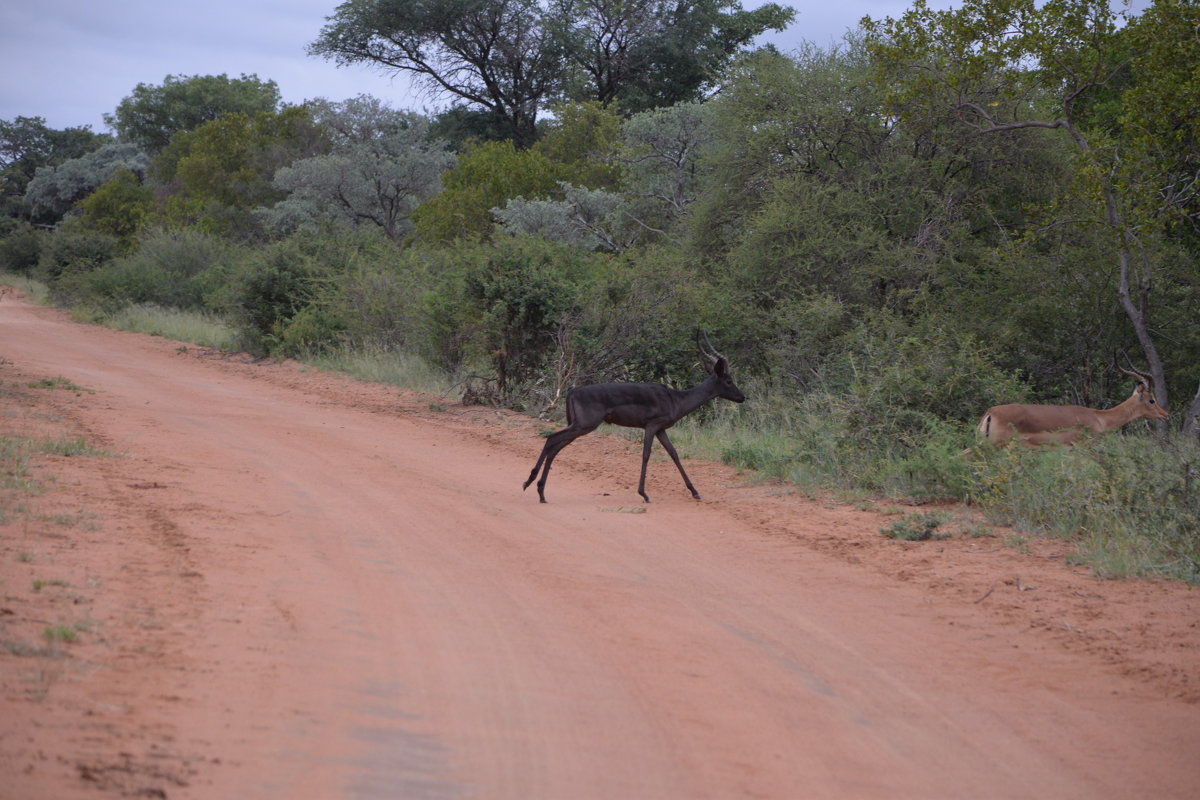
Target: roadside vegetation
[(944, 212)]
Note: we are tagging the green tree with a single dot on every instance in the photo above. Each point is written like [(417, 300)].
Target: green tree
[(151, 115), (213, 176), (55, 190), (382, 166), (645, 54), (484, 178), (998, 66), (1160, 124), (26, 145), (509, 57), (628, 185), (495, 54), (577, 148), (120, 207)]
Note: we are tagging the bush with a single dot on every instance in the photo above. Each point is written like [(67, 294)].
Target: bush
[(21, 249), (73, 249), (1132, 503), (313, 330), (164, 271), (901, 382), (379, 298), (916, 528), (501, 307)]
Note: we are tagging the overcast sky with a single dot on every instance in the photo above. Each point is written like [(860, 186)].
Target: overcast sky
[(72, 61)]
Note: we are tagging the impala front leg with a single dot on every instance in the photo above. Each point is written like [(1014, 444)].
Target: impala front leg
[(647, 443), (666, 443)]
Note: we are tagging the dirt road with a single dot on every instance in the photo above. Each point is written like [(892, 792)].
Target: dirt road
[(286, 584)]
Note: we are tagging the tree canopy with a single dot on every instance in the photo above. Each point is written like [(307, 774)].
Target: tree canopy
[(511, 57), (26, 145), (151, 115)]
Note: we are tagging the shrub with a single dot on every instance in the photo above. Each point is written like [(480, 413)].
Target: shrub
[(73, 249), (915, 528), (20, 250), (1132, 503), (313, 330)]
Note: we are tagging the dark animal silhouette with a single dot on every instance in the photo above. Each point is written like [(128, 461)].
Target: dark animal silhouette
[(650, 406)]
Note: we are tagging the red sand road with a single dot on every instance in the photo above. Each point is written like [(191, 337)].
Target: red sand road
[(296, 585)]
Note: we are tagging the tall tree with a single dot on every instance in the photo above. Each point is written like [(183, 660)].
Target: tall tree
[(28, 144), (214, 175), (1005, 65), (1161, 123), (54, 190), (382, 166), (151, 115), (496, 54), (650, 53), (510, 57)]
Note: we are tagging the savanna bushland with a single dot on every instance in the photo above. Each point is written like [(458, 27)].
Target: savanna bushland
[(943, 212)]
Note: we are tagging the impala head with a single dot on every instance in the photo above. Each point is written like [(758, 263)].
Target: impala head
[(1143, 396), (718, 367)]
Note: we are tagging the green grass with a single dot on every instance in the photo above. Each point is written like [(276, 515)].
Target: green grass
[(17, 481), (389, 367), (1131, 503), (196, 327), (34, 290), (916, 528), (69, 446), (1128, 501), (59, 383), (60, 633)]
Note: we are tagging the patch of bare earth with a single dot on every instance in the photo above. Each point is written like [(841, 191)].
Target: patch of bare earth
[(266, 581)]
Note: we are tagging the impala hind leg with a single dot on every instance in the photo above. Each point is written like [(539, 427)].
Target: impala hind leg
[(554, 443)]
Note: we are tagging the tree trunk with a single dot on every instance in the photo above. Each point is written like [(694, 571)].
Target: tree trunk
[(1191, 425)]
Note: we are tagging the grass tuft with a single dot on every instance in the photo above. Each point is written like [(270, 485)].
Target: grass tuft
[(197, 327)]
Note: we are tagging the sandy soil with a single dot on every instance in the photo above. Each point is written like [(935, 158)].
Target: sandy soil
[(286, 584)]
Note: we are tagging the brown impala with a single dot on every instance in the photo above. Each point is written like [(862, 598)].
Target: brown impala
[(1035, 425)]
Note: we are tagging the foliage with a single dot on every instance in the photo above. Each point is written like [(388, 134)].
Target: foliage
[(21, 249), (217, 173), (121, 206), (648, 54), (656, 164), (663, 155), (168, 269), (367, 180), (28, 144), (497, 54), (1131, 503), (1158, 111), (74, 249), (379, 295), (54, 190), (265, 290), (587, 218), (915, 528), (510, 57), (999, 66), (152, 115), (484, 178), (500, 309)]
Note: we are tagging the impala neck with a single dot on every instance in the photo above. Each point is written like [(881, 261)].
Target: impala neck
[(1120, 414), (697, 396)]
